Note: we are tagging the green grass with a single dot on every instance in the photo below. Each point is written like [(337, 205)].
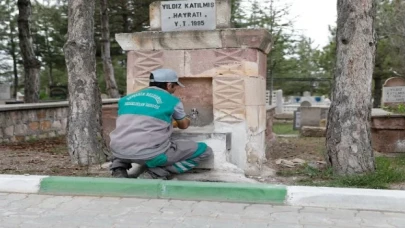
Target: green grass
[(388, 171), (284, 129)]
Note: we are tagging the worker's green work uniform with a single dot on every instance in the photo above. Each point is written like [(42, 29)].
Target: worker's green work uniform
[(143, 131)]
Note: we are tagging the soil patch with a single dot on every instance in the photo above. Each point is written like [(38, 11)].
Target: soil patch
[(310, 151), (296, 147), (43, 157), (50, 157)]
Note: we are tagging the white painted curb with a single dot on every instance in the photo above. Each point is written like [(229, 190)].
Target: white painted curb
[(346, 198), (20, 183), (343, 198)]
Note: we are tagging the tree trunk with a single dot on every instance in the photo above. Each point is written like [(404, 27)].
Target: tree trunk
[(124, 15), (31, 64), (15, 70), (13, 51), (50, 66), (105, 52), (84, 132), (348, 137), (377, 91)]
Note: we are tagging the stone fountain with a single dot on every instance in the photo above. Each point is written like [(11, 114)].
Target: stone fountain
[(223, 69)]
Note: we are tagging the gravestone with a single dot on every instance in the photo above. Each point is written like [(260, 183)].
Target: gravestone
[(4, 92), (279, 101), (306, 104), (59, 92), (297, 120), (393, 92), (307, 94)]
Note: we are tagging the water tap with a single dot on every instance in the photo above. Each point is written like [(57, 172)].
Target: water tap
[(194, 113)]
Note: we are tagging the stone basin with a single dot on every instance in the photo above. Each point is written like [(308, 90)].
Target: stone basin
[(219, 142), (200, 134)]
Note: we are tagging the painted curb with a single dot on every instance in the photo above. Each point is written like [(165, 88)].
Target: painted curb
[(20, 183), (347, 198), (344, 198), (187, 190)]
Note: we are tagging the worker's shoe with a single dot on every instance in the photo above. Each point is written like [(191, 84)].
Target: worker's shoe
[(120, 173), (150, 175)]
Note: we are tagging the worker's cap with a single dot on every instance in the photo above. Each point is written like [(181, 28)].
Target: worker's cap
[(165, 75)]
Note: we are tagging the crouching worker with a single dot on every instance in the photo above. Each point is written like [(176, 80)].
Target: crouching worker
[(144, 127)]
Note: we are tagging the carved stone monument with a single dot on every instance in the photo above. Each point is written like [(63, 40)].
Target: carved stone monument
[(223, 69)]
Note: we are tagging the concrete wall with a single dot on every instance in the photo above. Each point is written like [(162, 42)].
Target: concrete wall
[(25, 122)]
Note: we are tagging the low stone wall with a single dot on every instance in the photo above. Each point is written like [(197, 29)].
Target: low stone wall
[(24, 122), (388, 133), (109, 117)]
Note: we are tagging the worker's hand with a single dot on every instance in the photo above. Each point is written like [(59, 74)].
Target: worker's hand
[(174, 123), (184, 123)]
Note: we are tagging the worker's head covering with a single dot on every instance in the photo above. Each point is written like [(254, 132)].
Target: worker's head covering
[(165, 75)]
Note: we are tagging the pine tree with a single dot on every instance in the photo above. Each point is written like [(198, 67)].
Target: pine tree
[(348, 136), (32, 65), (9, 47)]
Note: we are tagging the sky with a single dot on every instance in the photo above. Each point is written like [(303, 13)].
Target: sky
[(312, 18)]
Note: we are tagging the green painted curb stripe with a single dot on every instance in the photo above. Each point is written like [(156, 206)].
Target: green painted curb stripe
[(231, 192), (184, 190), (99, 186)]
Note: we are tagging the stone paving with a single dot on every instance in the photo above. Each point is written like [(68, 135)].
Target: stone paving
[(26, 210)]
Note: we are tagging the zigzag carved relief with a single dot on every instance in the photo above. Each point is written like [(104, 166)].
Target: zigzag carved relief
[(233, 115), (229, 61), (229, 99), (136, 84), (146, 61), (140, 83)]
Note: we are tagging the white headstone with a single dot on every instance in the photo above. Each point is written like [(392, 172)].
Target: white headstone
[(279, 102), (394, 94), (4, 92), (307, 94), (305, 104), (188, 15)]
